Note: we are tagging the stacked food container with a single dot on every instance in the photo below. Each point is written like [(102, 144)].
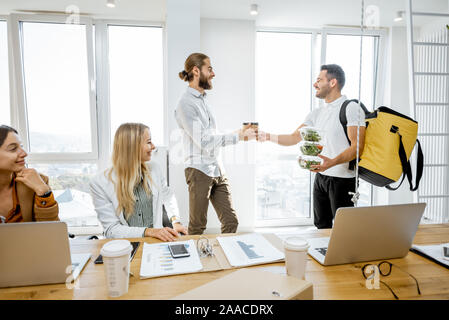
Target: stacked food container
[(310, 147)]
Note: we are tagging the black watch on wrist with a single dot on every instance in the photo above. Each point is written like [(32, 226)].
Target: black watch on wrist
[(46, 194)]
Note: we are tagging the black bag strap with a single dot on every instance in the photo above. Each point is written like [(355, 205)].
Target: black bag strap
[(419, 167), (406, 167), (344, 122), (344, 119)]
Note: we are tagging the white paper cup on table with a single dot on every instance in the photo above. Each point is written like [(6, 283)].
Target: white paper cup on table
[(116, 256), (295, 249)]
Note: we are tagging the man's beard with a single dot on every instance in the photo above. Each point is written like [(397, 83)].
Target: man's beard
[(322, 94), (203, 83)]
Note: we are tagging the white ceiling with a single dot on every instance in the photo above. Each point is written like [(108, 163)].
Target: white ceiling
[(279, 13), (151, 10), (313, 13)]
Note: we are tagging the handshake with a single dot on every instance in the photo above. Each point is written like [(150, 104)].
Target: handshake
[(250, 131)]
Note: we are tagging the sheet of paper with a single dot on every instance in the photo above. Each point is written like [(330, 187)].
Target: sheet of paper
[(434, 251), (249, 249), (157, 260)]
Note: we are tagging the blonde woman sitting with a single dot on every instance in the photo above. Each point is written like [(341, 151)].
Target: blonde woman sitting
[(128, 197)]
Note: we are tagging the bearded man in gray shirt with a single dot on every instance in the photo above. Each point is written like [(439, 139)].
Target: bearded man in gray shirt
[(204, 172)]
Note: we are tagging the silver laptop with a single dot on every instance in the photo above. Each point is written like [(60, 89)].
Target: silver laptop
[(33, 253), (368, 233)]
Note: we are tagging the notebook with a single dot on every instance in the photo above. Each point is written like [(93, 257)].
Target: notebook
[(249, 249), (432, 252)]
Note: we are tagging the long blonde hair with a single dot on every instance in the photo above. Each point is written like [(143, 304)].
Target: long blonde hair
[(127, 165)]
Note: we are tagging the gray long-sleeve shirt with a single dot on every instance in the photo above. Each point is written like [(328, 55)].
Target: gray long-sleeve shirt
[(202, 143)]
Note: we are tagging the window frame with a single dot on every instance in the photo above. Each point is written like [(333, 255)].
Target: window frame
[(379, 55), (103, 81), (98, 77), (380, 68), (5, 18), (297, 221), (20, 90)]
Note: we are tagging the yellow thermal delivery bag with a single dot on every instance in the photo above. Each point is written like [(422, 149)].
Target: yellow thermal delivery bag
[(389, 141)]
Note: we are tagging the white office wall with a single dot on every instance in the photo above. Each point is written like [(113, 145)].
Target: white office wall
[(433, 26), (230, 44), (182, 38)]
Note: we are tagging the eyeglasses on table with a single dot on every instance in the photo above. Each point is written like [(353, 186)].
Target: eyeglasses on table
[(385, 270)]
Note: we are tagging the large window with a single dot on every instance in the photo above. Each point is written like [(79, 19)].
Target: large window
[(287, 64), (283, 99), (58, 110), (4, 76), (344, 50), (66, 118), (57, 87), (136, 82)]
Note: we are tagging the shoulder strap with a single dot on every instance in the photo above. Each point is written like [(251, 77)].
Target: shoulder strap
[(344, 122), (407, 169), (419, 167), (344, 119)]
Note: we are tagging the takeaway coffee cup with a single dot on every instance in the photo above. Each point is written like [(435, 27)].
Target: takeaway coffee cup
[(253, 125), (295, 249), (116, 256)]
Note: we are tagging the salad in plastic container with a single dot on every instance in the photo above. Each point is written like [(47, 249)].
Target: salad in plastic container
[(306, 162), (311, 134), (310, 148)]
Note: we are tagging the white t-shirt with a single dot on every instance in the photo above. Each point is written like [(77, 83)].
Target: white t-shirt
[(327, 118)]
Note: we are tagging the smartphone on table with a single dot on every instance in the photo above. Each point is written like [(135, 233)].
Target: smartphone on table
[(135, 246), (178, 250)]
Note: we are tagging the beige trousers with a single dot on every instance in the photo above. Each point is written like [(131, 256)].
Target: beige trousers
[(203, 188)]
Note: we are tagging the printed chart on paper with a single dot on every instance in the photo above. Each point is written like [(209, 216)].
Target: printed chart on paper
[(157, 260), (249, 249)]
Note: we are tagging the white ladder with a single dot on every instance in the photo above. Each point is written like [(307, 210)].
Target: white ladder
[(428, 60)]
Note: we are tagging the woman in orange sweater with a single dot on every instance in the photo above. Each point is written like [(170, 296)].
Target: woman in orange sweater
[(24, 194)]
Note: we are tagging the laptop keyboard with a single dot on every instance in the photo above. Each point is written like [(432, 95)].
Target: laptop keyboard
[(321, 250)]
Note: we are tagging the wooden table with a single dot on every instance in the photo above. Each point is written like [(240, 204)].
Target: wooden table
[(333, 282)]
